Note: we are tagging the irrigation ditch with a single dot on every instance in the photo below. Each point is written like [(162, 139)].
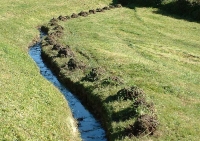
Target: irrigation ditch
[(49, 48), (89, 127)]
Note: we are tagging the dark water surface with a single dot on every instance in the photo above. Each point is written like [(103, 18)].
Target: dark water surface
[(89, 127)]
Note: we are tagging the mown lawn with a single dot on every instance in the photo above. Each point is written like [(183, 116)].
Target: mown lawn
[(159, 54), (30, 107)]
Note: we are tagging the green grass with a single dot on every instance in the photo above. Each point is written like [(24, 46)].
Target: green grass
[(30, 107), (159, 54)]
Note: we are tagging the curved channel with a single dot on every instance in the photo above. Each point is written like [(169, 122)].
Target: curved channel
[(89, 128)]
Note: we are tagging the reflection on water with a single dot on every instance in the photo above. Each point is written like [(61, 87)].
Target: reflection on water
[(89, 127)]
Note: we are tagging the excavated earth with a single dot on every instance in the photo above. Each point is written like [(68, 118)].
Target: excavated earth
[(144, 124), (89, 128)]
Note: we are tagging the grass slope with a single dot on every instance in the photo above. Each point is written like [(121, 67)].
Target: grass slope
[(159, 54), (30, 107)]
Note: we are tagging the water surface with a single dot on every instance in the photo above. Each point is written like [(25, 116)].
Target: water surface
[(89, 127)]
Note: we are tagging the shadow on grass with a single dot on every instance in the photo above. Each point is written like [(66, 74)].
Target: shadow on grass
[(124, 114), (175, 16), (175, 10), (118, 134)]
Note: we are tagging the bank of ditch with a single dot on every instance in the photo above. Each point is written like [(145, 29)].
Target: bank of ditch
[(89, 128), (88, 83)]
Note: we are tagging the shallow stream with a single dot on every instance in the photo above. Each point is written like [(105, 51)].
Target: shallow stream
[(89, 128)]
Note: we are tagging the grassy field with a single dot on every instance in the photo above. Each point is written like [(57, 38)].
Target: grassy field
[(159, 54), (30, 107)]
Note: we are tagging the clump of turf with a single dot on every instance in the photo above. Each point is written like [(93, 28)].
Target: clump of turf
[(99, 10), (48, 40), (106, 8), (63, 18), (146, 122), (144, 125), (53, 22), (130, 93), (84, 14), (112, 80), (74, 15), (93, 75), (73, 64), (92, 11), (58, 27), (66, 52), (57, 46)]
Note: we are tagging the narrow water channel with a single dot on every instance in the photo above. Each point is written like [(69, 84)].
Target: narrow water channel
[(89, 127)]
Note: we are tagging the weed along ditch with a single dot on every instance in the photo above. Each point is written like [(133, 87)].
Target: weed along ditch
[(89, 127), (122, 109)]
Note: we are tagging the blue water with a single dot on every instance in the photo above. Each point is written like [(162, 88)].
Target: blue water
[(89, 127)]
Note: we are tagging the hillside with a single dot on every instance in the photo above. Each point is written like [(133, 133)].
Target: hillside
[(119, 49), (132, 47), (31, 108)]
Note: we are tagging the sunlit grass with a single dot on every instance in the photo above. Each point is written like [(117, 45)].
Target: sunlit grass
[(157, 53), (30, 107)]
